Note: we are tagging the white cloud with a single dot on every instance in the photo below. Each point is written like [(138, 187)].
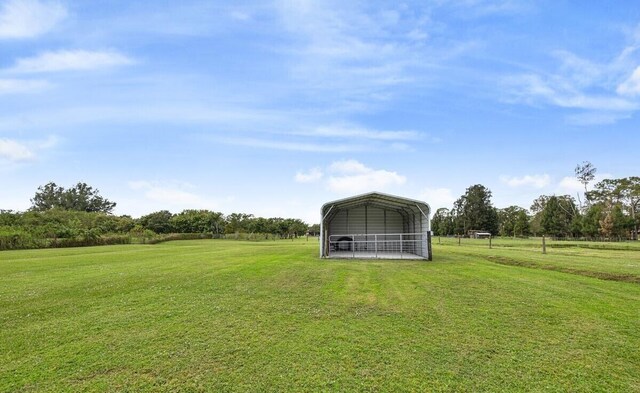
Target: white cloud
[(20, 86), (533, 89), (571, 185), (292, 146), (438, 197), (311, 176), (19, 151), (70, 60), (535, 181), (14, 151), (359, 57), (349, 131), (631, 86), (596, 118), (29, 18), (351, 176), (605, 91), (483, 8), (349, 167)]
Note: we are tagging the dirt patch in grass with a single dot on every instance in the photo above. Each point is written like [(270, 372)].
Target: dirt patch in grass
[(588, 273)]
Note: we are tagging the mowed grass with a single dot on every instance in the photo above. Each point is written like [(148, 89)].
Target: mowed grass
[(614, 261), (270, 316)]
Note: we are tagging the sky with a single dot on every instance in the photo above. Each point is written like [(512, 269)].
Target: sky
[(276, 107)]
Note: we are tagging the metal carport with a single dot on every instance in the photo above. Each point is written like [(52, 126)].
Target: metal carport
[(375, 225)]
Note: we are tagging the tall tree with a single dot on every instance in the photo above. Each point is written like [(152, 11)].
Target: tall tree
[(629, 190), (442, 222), (625, 191), (585, 173), (475, 211), (559, 216), (591, 220), (614, 223), (47, 197), (80, 197), (514, 221)]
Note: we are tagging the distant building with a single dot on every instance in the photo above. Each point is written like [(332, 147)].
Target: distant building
[(478, 234)]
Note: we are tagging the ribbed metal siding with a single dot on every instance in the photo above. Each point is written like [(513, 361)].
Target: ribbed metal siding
[(394, 222), (356, 221), (338, 226), (377, 221)]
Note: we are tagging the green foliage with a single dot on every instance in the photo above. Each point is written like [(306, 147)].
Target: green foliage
[(591, 221), (613, 223), (158, 222), (314, 229), (62, 228), (442, 223), (197, 221), (58, 227), (474, 211), (80, 197), (514, 221), (624, 191), (558, 216)]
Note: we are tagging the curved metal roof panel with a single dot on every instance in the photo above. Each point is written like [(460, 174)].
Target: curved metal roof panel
[(374, 198)]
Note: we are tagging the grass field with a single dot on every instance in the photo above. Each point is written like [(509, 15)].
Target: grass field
[(213, 315)]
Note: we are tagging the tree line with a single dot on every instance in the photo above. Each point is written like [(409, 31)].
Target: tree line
[(79, 215), (609, 211)]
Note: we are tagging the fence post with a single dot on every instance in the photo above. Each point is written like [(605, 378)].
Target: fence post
[(489, 242), (544, 246), (401, 246), (459, 237)]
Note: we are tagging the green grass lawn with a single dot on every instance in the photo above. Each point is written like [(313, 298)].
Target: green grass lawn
[(213, 315)]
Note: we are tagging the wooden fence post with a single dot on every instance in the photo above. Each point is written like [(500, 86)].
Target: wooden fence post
[(544, 245)]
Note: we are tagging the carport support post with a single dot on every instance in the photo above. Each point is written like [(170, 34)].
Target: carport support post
[(401, 246), (375, 242), (353, 245)]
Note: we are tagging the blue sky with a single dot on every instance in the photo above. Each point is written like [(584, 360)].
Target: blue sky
[(274, 108)]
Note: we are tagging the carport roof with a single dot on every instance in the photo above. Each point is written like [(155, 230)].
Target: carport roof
[(376, 199)]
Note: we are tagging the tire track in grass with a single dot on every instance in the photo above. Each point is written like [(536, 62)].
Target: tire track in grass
[(621, 277)]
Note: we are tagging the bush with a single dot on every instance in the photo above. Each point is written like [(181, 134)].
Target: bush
[(18, 239)]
